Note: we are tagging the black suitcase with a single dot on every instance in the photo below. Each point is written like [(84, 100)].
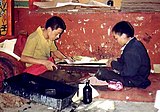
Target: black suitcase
[(41, 90)]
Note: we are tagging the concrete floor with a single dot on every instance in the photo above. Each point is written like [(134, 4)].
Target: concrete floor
[(98, 105)]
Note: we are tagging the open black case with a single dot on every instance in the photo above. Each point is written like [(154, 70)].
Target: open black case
[(48, 92)]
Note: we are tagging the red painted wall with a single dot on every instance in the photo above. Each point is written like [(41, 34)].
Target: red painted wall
[(88, 34)]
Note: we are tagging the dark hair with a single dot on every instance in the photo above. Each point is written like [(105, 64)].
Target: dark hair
[(123, 27), (55, 22)]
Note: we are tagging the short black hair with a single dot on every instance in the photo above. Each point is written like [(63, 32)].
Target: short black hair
[(123, 27), (55, 22)]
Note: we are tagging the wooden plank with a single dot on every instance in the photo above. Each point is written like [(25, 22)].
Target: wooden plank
[(141, 5), (141, 1), (135, 3), (139, 8)]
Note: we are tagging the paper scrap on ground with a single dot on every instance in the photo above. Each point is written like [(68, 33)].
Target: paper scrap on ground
[(106, 105), (157, 100), (95, 82)]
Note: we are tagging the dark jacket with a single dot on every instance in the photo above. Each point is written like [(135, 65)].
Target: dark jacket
[(134, 63)]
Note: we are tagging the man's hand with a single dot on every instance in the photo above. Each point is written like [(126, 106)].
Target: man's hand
[(49, 65), (108, 63), (69, 60)]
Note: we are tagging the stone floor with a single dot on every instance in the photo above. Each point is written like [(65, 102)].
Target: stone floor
[(98, 105), (12, 103)]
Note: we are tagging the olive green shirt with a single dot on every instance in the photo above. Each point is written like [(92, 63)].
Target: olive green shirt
[(37, 46)]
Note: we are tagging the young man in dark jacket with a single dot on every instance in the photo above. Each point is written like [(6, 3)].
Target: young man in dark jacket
[(133, 66)]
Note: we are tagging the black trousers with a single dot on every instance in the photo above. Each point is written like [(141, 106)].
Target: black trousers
[(110, 75)]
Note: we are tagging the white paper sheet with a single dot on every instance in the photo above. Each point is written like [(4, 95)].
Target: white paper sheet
[(8, 47), (89, 61), (95, 3), (157, 100)]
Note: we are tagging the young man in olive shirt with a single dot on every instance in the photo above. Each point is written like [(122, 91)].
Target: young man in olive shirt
[(40, 44)]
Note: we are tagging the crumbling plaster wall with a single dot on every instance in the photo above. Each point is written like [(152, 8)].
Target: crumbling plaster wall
[(88, 34)]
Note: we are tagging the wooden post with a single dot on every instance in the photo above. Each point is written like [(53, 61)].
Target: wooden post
[(9, 16)]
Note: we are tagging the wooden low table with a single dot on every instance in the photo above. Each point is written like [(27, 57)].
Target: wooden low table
[(82, 67)]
